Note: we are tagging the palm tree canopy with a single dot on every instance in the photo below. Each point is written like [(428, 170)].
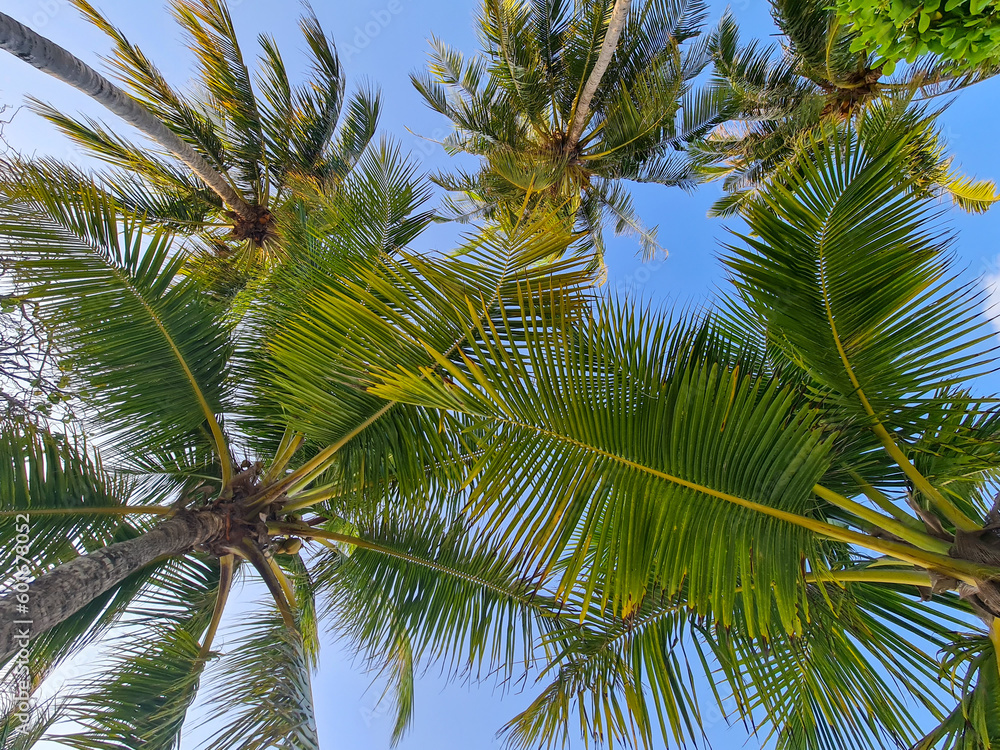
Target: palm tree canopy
[(260, 130), (513, 104), (817, 79), (769, 486), (710, 488), (205, 390)]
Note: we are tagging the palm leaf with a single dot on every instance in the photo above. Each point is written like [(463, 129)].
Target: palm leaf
[(148, 346), (854, 283), (418, 589), (585, 405), (143, 700), (263, 688)]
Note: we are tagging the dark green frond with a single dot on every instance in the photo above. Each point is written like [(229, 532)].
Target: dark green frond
[(640, 433), (854, 281)]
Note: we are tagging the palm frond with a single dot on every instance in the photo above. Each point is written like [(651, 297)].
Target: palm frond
[(854, 282), (419, 589), (576, 403), (227, 80), (262, 688), (144, 698), (149, 348)]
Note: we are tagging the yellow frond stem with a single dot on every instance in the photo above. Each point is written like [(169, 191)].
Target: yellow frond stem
[(878, 575), (879, 499), (917, 538), (960, 569)]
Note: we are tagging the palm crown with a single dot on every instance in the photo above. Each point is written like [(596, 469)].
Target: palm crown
[(176, 390), (769, 486), (815, 81), (516, 102), (263, 133)]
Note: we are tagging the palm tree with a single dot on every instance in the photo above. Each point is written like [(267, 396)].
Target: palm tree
[(776, 99), (566, 101), (50, 58), (252, 142)]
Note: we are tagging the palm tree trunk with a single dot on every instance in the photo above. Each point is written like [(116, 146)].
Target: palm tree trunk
[(61, 593), (582, 113), (50, 58)]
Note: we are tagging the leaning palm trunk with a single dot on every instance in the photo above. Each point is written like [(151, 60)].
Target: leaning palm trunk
[(57, 595), (50, 58), (615, 26)]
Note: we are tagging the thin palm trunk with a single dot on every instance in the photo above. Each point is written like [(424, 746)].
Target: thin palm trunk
[(582, 113), (59, 594), (50, 58)]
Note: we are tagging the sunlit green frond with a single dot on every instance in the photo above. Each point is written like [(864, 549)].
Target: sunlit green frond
[(975, 722), (854, 281), (616, 682), (225, 75), (318, 358), (973, 195), (148, 346), (300, 120), (657, 450), (835, 685), (318, 105), (374, 211), (354, 134)]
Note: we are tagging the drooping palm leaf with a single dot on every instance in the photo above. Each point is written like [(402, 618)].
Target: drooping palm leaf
[(263, 687), (577, 402), (853, 283)]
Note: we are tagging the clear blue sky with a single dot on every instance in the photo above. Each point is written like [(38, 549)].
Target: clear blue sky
[(383, 41)]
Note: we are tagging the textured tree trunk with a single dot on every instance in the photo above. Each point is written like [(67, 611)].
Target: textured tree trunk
[(615, 26), (61, 593), (50, 58)]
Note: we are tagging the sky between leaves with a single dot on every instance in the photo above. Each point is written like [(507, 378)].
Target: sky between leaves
[(383, 41)]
